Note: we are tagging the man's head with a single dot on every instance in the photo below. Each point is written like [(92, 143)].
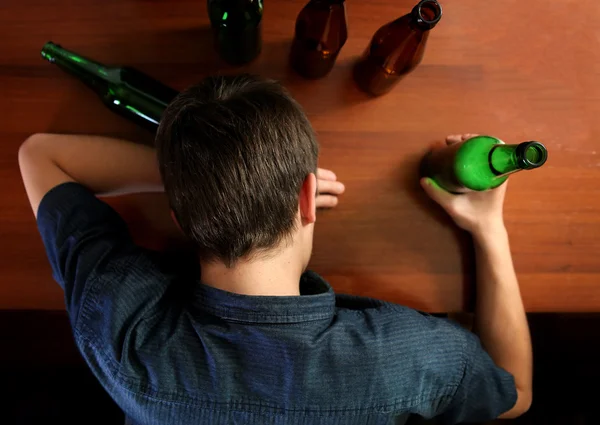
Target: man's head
[(237, 156)]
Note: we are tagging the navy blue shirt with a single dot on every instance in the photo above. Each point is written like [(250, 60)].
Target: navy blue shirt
[(171, 350)]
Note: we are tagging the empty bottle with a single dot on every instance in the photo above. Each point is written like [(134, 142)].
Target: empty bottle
[(396, 49), (480, 163), (125, 90), (321, 32), (237, 29)]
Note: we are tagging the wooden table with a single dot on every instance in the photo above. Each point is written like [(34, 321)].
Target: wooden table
[(518, 71)]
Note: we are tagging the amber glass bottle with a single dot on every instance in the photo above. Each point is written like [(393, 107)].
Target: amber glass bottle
[(396, 48), (321, 32)]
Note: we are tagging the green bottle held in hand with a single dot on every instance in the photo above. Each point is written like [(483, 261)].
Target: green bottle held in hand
[(480, 163), (126, 91)]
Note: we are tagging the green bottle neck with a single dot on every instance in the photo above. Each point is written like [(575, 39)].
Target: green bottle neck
[(507, 159), (94, 74)]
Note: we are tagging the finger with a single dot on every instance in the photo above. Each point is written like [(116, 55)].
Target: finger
[(454, 138), (332, 187), (324, 174), (326, 201), (435, 192)]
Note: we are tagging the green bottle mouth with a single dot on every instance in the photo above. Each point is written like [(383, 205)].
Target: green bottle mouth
[(48, 51), (531, 155)]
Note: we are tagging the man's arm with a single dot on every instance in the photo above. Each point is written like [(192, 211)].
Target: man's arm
[(101, 164), (110, 166), (500, 318)]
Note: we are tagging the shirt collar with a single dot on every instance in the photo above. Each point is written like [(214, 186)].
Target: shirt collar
[(316, 302)]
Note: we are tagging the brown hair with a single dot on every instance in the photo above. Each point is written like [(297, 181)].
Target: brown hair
[(233, 152)]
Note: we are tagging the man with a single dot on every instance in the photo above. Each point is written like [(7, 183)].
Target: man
[(257, 339)]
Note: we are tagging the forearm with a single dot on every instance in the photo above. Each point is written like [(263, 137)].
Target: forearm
[(101, 164), (500, 318)]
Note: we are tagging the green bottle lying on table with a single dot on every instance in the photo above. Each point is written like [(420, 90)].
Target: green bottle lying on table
[(480, 163), (124, 90)]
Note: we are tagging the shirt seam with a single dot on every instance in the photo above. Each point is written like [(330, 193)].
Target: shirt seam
[(464, 372), (264, 318), (82, 314), (183, 399), (90, 302)]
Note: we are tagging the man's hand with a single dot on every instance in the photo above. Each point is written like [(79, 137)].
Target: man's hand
[(474, 211), (328, 189)]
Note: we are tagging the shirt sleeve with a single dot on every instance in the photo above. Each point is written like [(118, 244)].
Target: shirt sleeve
[(485, 391), (116, 293), (106, 278)]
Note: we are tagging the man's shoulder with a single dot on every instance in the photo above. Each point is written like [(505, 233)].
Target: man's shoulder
[(429, 343), (395, 317), (413, 360)]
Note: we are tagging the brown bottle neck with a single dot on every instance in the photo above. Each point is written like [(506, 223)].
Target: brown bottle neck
[(425, 15)]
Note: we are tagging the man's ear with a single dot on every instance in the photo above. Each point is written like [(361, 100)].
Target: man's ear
[(308, 200), (175, 220)]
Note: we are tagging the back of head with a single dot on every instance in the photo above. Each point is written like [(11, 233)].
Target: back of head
[(233, 152)]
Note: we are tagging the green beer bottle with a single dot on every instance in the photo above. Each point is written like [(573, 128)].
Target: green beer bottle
[(236, 27), (125, 90), (480, 163)]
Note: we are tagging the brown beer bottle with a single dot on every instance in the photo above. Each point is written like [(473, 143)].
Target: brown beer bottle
[(396, 48), (321, 32)]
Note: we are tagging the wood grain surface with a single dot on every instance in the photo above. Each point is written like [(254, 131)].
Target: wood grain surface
[(517, 70)]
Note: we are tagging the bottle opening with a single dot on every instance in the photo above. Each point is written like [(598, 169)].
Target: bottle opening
[(533, 154), (429, 11), (48, 51)]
